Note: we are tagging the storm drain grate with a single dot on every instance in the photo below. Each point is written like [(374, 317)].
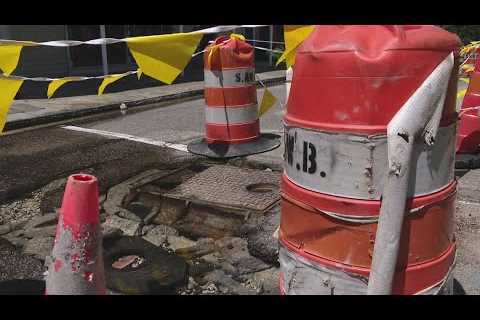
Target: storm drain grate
[(231, 187)]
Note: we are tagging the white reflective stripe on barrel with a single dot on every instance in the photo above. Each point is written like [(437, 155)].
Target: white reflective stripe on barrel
[(232, 115), (288, 81), (309, 278), (231, 78), (354, 166)]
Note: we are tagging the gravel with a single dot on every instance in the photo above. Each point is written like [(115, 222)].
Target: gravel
[(14, 265), (128, 227), (158, 234), (39, 247), (260, 230), (21, 210)]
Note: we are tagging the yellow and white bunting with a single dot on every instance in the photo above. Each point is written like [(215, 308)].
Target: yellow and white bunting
[(294, 36), (467, 67), (268, 101), (9, 57), (165, 56), (108, 80), (8, 89), (57, 83), (162, 57)]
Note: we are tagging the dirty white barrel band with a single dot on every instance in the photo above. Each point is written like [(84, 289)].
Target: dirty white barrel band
[(229, 78), (354, 166), (304, 277), (232, 115)]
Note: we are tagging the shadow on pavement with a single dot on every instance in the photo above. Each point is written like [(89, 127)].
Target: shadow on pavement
[(458, 289), (22, 287)]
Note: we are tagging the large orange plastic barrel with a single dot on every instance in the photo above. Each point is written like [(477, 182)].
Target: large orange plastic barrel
[(348, 83), (231, 99), (232, 126)]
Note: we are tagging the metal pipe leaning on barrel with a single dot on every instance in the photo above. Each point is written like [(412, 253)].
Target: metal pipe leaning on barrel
[(419, 116), (348, 88), (288, 82)]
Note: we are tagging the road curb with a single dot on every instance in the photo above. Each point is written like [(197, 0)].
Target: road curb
[(75, 114)]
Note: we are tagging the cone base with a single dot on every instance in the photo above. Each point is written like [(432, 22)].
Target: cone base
[(266, 142)]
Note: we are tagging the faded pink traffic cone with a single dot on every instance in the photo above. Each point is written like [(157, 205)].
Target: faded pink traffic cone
[(76, 264)]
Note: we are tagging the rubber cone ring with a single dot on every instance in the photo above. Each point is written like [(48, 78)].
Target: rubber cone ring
[(266, 142)]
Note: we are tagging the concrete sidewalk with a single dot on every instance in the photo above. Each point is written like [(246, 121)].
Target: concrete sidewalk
[(32, 112)]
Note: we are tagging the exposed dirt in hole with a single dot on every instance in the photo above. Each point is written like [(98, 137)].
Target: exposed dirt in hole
[(213, 239)]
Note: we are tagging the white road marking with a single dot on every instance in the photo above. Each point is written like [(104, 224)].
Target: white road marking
[(179, 147)]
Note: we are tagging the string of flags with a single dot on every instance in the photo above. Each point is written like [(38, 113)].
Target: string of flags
[(162, 57), (294, 35), (8, 88)]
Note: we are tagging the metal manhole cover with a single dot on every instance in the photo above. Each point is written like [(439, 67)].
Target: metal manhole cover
[(227, 186)]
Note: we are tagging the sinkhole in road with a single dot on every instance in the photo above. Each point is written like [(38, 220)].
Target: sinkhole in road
[(204, 200), (198, 212)]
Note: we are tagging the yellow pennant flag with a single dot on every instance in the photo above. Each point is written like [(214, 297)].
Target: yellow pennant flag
[(54, 85), (268, 101), (468, 67), (9, 57), (294, 35), (108, 80), (57, 83), (461, 93), (469, 48), (165, 56), (8, 90)]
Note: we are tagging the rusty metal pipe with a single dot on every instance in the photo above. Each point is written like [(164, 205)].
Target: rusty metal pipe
[(418, 117)]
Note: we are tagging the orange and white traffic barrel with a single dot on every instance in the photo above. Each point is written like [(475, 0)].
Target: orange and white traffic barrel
[(232, 125), (468, 140), (348, 83)]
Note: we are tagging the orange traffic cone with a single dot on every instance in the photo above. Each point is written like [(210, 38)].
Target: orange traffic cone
[(76, 264)]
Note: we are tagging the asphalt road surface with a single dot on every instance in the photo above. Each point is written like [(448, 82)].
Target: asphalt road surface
[(183, 122)]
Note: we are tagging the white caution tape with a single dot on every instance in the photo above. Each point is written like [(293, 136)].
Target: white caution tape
[(73, 78), (197, 53), (267, 49), (106, 41), (219, 29), (231, 115), (266, 41)]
